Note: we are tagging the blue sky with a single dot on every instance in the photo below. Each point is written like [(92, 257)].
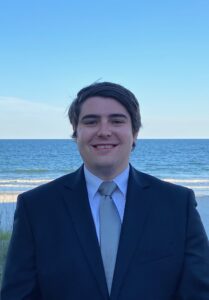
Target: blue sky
[(51, 49)]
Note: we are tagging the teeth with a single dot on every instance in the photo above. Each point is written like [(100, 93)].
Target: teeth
[(104, 146)]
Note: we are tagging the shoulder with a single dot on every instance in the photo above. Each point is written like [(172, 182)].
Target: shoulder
[(162, 189), (53, 188), (167, 197)]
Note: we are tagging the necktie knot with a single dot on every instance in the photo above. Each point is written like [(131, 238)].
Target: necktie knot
[(107, 188)]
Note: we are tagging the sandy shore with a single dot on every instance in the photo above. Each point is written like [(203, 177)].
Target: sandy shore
[(8, 197), (12, 197), (8, 204)]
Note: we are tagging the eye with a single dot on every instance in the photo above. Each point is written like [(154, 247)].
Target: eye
[(118, 121), (90, 122)]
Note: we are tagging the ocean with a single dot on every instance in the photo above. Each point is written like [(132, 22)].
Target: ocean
[(25, 164)]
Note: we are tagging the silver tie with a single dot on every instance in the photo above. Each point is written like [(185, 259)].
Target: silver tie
[(110, 225)]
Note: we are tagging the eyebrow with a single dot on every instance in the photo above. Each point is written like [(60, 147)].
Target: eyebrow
[(93, 116)]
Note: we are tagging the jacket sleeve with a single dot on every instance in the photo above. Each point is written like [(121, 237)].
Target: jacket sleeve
[(194, 283), (20, 280)]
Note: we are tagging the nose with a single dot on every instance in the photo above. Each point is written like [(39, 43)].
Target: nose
[(104, 129)]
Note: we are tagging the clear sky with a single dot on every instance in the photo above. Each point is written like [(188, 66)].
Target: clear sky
[(51, 49)]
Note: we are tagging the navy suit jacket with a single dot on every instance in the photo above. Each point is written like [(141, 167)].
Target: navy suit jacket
[(54, 253)]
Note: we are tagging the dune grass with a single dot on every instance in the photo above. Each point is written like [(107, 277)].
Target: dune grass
[(5, 232), (4, 242)]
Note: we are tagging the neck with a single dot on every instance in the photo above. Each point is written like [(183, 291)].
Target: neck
[(107, 173)]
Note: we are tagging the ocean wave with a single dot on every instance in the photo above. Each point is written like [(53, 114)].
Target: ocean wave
[(17, 185), (31, 181), (43, 180), (198, 187), (30, 170), (199, 183), (174, 180)]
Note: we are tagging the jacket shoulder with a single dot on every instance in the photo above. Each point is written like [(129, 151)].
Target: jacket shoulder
[(159, 184), (54, 187)]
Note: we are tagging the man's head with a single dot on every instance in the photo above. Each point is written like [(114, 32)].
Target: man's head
[(106, 121), (107, 90)]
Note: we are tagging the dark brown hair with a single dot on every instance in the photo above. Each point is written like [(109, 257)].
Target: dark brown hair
[(106, 90)]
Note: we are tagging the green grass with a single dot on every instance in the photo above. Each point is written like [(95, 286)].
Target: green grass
[(5, 232), (4, 242)]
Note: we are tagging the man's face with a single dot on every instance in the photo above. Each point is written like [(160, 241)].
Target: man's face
[(104, 136)]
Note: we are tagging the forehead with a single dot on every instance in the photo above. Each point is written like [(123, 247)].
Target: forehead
[(102, 105)]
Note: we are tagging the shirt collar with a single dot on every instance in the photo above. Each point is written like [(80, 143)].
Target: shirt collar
[(93, 182)]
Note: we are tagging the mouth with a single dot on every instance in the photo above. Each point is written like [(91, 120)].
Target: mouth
[(104, 146)]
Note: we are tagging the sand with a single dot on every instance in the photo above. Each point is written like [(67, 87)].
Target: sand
[(8, 204), (12, 197), (8, 197)]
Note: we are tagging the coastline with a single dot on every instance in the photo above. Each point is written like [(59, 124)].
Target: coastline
[(8, 204), (9, 197)]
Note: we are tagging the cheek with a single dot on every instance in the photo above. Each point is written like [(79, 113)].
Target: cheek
[(84, 136), (81, 135), (126, 136)]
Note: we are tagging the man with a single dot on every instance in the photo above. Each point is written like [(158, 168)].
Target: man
[(73, 241)]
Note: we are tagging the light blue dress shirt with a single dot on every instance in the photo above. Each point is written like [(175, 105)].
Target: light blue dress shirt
[(119, 196)]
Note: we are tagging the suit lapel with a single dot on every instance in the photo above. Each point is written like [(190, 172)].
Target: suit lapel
[(135, 217), (76, 199), (136, 213)]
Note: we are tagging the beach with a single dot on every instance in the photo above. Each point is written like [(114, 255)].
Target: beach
[(7, 209), (8, 204), (8, 197)]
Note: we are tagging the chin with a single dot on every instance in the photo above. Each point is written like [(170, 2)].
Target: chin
[(104, 165)]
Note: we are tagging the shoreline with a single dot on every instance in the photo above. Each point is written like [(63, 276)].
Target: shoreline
[(8, 206), (11, 197)]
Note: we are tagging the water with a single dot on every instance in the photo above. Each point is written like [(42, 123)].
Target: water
[(25, 164)]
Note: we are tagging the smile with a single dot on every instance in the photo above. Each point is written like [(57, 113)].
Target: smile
[(104, 146)]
